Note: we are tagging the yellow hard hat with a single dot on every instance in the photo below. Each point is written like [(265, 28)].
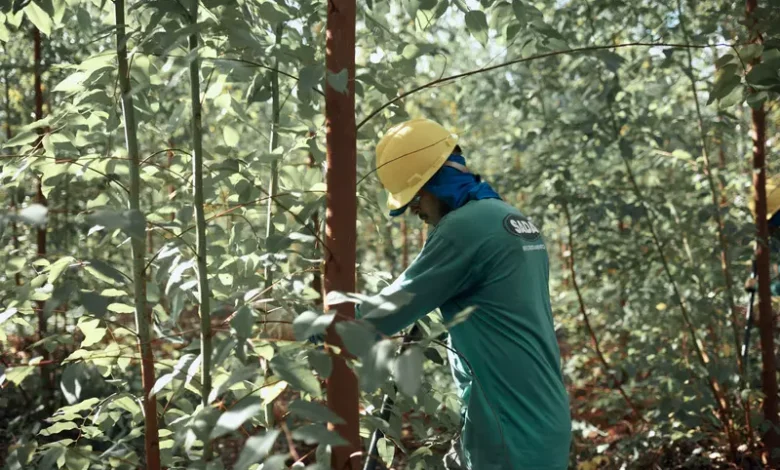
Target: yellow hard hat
[(408, 156), (772, 197)]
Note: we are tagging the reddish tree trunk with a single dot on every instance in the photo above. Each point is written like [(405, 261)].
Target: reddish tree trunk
[(766, 320), (341, 134)]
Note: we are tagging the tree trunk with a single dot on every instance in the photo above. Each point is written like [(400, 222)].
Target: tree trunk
[(341, 215), (273, 184), (48, 385), (316, 282), (766, 317), (142, 315), (404, 245), (766, 320), (200, 222), (15, 194)]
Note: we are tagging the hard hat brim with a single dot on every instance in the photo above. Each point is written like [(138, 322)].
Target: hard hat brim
[(402, 198), (772, 198)]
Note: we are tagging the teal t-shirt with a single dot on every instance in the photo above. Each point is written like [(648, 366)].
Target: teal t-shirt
[(486, 255)]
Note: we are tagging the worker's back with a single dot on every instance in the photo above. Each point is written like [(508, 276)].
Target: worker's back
[(517, 406)]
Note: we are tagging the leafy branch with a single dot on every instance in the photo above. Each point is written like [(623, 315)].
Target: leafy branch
[(576, 50)]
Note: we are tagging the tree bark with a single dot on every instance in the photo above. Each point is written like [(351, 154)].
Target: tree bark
[(273, 184), (766, 320), (48, 385), (142, 315), (316, 282), (14, 196), (341, 215), (200, 222)]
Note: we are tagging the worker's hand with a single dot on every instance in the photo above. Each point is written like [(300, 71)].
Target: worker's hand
[(750, 284)]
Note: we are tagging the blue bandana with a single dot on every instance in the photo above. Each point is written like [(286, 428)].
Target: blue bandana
[(455, 187)]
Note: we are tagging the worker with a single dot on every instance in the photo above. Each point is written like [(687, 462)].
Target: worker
[(485, 255), (773, 222)]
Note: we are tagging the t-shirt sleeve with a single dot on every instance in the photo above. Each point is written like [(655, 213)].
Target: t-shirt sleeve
[(442, 271)]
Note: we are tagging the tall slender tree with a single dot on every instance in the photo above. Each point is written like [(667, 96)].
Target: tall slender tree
[(41, 199), (273, 186), (142, 313), (341, 215), (200, 218), (14, 196), (766, 321)]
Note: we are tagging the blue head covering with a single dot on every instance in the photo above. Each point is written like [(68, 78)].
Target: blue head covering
[(455, 187)]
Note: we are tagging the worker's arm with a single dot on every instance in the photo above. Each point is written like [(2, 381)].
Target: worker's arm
[(443, 270)]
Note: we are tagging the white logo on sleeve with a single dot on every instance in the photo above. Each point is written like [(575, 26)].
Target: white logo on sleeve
[(521, 227)]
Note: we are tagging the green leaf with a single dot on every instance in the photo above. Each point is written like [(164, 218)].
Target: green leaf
[(231, 136), (7, 314), (105, 272), (232, 419), (49, 459), (338, 81), (357, 336), (94, 303), (256, 449), (120, 308), (15, 265), (724, 85), (71, 412), (92, 331), (765, 75), (408, 371), (23, 138), (433, 355), (750, 52), (58, 427), (524, 12), (73, 83), (58, 267), (243, 322), (309, 77), (16, 375), (310, 324), (725, 59), (321, 362), (296, 374), (39, 18), (132, 222), (236, 376), (318, 434), (476, 22), (376, 365), (314, 412), (386, 451), (271, 13), (756, 100), (4, 36)]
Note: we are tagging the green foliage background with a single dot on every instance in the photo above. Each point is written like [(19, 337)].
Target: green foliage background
[(556, 129)]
